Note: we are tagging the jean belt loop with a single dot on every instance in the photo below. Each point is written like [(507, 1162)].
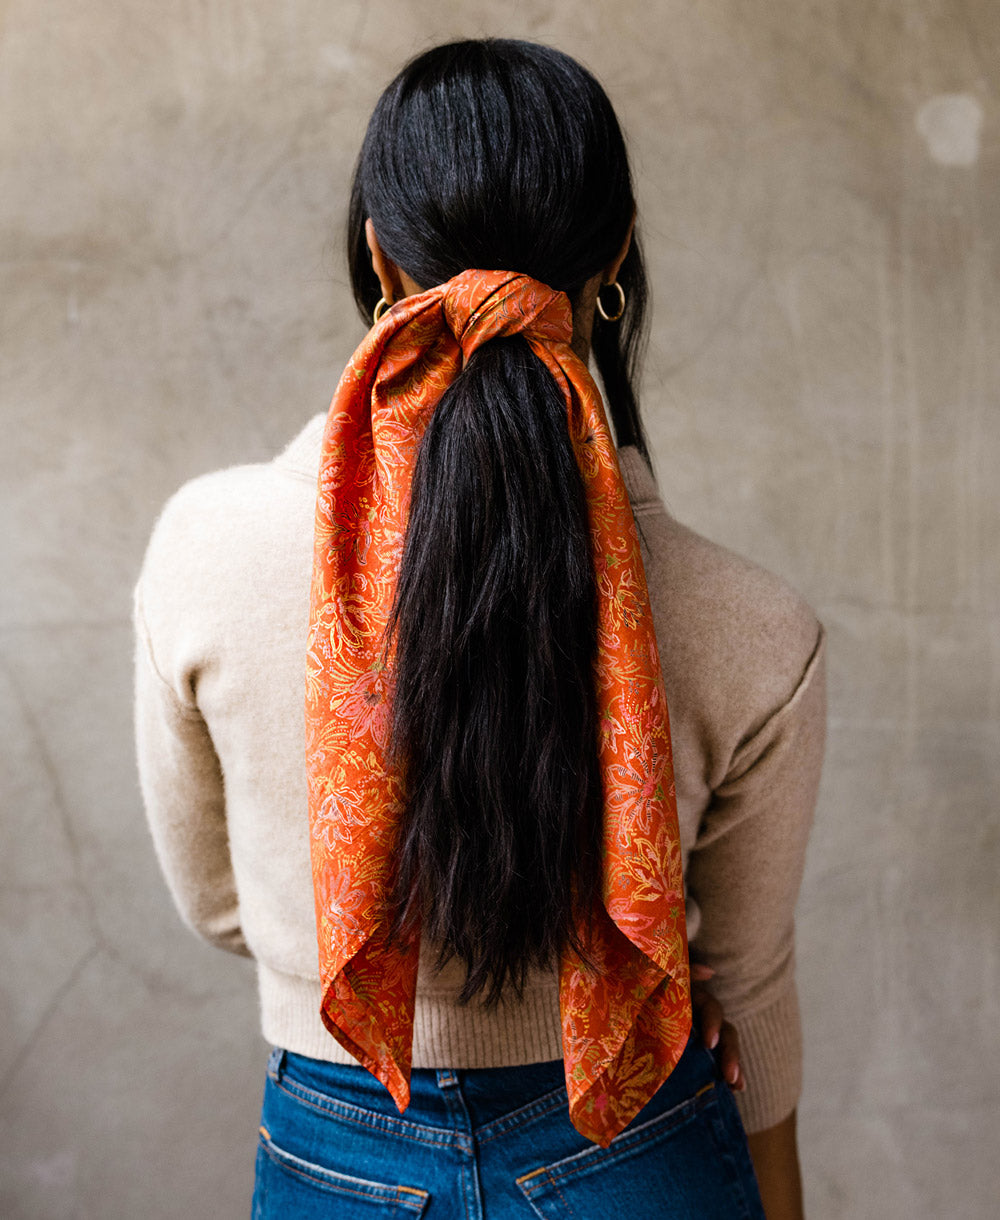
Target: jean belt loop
[(276, 1063)]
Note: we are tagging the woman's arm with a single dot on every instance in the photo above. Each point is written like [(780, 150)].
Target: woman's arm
[(744, 871), (775, 1156), (184, 796), (774, 1150)]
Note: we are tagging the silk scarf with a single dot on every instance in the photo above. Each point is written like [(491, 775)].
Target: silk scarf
[(625, 1016)]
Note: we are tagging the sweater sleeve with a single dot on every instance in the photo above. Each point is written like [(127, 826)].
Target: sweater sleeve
[(184, 797), (744, 871)]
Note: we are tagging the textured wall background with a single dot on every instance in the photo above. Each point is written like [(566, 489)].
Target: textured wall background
[(818, 195)]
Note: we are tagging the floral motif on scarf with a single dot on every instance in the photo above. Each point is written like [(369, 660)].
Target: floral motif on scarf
[(626, 1017)]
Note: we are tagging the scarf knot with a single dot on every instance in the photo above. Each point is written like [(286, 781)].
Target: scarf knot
[(484, 305)]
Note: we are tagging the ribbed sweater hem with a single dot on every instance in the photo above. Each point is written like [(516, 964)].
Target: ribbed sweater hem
[(771, 1055), (445, 1034)]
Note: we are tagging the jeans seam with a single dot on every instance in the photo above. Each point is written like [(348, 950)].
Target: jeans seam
[(454, 1099), (678, 1117), (517, 1120), (363, 1118), (391, 1195), (565, 1202)]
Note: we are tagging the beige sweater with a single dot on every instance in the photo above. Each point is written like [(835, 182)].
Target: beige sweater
[(221, 611)]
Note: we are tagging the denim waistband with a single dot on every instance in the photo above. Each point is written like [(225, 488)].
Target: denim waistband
[(450, 1099)]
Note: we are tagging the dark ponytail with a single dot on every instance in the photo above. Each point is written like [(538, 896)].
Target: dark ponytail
[(493, 706), (499, 155)]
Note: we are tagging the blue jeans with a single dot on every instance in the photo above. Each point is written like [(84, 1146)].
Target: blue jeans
[(494, 1144)]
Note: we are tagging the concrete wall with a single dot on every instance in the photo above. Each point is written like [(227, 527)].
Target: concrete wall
[(818, 195)]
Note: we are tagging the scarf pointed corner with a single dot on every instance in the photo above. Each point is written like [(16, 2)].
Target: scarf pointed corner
[(384, 1047), (626, 1069)]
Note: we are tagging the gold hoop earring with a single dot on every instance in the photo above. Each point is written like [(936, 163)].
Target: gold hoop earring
[(621, 302), (380, 309)]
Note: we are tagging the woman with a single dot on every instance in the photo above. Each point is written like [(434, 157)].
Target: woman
[(481, 654)]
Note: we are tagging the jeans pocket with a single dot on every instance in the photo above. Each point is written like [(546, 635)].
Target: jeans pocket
[(671, 1166), (288, 1186)]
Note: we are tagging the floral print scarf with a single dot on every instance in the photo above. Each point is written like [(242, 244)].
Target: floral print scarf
[(626, 1016)]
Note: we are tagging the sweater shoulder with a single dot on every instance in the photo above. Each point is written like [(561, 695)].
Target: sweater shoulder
[(229, 499), (221, 534), (208, 495), (208, 515), (735, 638), (738, 605)]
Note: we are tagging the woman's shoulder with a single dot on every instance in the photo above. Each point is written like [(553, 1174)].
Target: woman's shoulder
[(734, 636), (238, 521), (217, 491)]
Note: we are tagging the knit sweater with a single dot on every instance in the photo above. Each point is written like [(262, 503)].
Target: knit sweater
[(221, 614)]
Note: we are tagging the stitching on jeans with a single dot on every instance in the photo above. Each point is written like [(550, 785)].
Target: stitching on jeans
[(543, 1104), (384, 1194), (468, 1173), (581, 1162), (368, 1119), (565, 1202), (372, 1121), (348, 1110), (519, 1118), (546, 1181), (678, 1120), (464, 1186)]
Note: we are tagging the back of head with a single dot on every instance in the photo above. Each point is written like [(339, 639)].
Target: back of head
[(504, 155), (496, 154), (499, 155)]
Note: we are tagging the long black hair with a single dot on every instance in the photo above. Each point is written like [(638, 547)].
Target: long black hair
[(501, 155)]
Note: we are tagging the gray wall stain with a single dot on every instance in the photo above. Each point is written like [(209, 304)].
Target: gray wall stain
[(950, 125)]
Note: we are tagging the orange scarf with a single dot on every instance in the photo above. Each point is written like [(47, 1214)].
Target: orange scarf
[(625, 1024)]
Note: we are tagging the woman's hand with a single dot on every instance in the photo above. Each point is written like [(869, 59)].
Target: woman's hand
[(716, 1032)]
